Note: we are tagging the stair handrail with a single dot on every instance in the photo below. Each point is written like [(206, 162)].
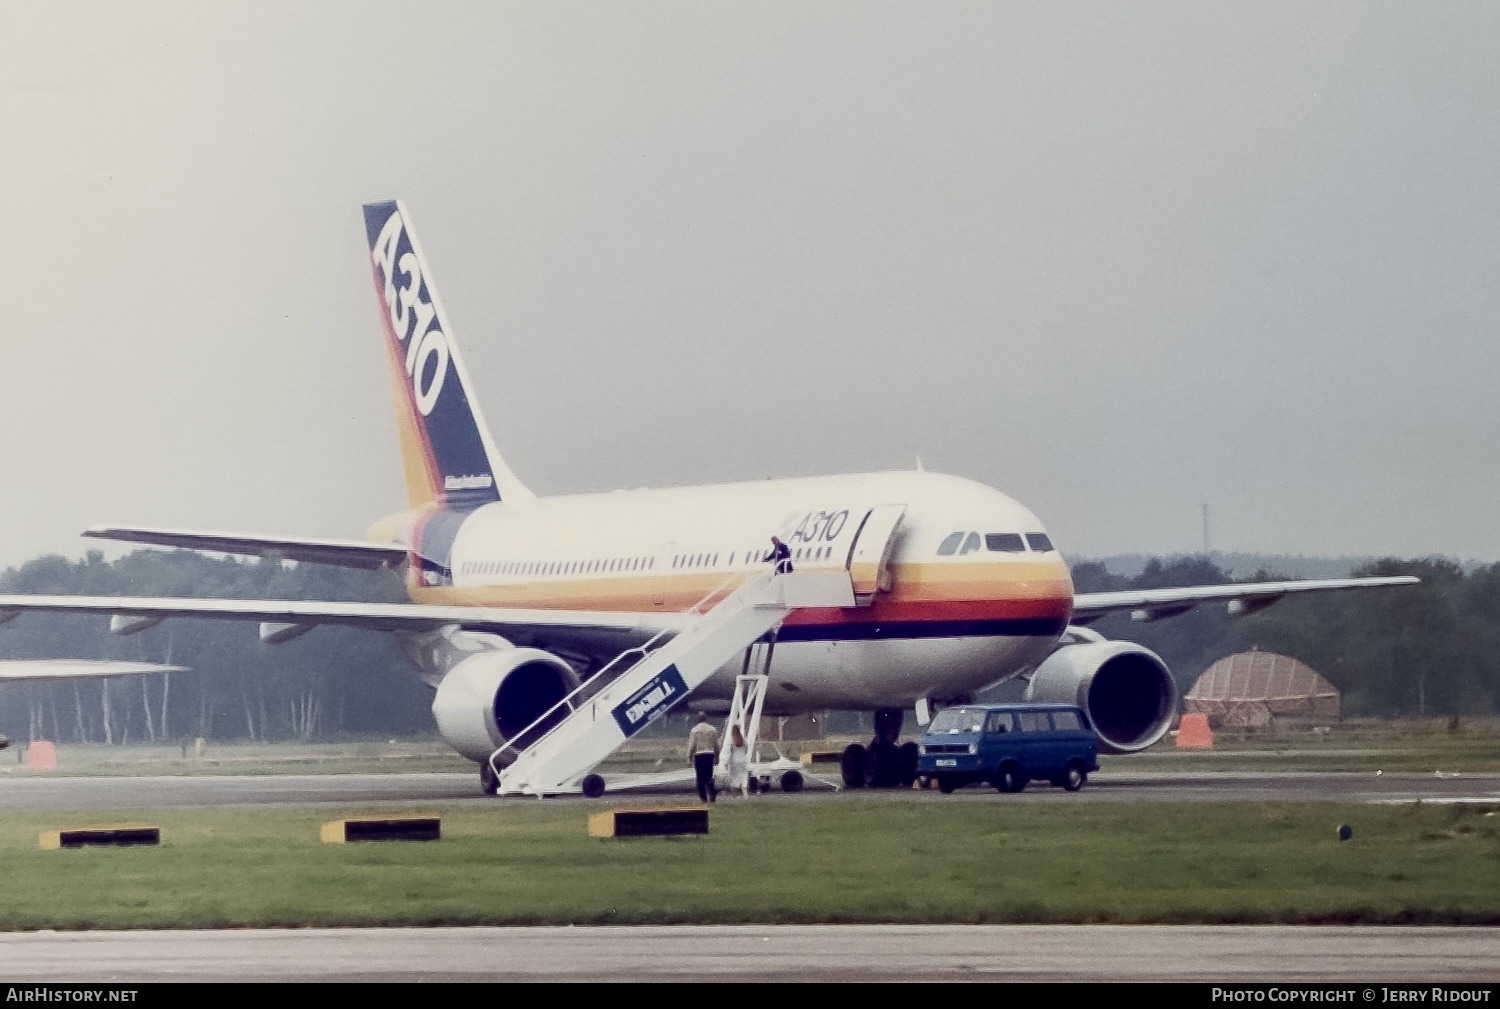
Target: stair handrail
[(643, 651)]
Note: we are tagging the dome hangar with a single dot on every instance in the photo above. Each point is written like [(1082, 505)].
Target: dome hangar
[(1262, 690)]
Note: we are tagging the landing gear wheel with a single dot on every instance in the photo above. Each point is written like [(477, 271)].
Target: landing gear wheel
[(882, 764), (593, 786), (791, 781), (1010, 779), (906, 764), (946, 785), (853, 766), (489, 781), (1074, 777)]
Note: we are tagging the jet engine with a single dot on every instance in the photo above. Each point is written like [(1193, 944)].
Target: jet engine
[(490, 697), (1126, 689)]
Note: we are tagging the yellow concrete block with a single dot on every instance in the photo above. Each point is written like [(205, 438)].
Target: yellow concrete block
[(649, 821), (381, 828), (104, 834)]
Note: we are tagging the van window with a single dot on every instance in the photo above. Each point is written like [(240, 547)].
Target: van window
[(1066, 721), (1032, 721), (1007, 543), (971, 544), (955, 720), (999, 721), (1039, 542), (949, 546)]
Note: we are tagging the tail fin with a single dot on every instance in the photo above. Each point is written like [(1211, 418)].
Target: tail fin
[(446, 450)]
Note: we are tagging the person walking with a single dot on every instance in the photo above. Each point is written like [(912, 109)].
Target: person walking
[(739, 761), (703, 751), (781, 556)]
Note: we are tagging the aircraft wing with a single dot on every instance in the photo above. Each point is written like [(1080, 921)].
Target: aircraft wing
[(345, 553), (24, 670), (1243, 597), (598, 633)]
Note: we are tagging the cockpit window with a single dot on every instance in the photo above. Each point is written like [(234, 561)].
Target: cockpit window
[(1009, 543), (970, 544), (1039, 542), (951, 721), (950, 545)]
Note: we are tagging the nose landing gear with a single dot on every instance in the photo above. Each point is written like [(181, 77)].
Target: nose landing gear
[(886, 762)]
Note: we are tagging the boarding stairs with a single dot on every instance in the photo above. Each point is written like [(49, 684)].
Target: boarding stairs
[(660, 678)]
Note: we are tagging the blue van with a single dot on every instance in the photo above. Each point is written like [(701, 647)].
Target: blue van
[(1009, 745)]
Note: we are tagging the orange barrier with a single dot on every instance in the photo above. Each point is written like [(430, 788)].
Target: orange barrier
[(41, 755), (1193, 732)]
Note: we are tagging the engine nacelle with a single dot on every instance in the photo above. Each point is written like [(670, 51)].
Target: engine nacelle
[(1126, 689), (488, 698)]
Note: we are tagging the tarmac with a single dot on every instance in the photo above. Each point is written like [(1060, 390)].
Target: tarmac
[(66, 793), (1365, 958)]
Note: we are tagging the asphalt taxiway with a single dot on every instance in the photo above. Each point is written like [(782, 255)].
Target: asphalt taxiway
[(1363, 957), (376, 789)]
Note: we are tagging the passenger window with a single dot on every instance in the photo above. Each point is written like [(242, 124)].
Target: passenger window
[(999, 722), (1039, 542), (949, 546), (1066, 721), (1006, 543), (1032, 721), (970, 545)]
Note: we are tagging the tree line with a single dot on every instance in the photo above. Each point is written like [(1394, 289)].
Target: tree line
[(331, 683), (1432, 649), (1421, 650)]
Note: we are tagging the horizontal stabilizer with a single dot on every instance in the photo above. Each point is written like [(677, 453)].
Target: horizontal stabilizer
[(344, 553), (30, 670)]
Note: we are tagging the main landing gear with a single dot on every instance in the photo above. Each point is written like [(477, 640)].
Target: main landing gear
[(886, 762)]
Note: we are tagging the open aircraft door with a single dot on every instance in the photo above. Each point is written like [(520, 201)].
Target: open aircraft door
[(872, 550)]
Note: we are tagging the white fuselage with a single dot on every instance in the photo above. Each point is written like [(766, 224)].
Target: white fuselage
[(948, 615)]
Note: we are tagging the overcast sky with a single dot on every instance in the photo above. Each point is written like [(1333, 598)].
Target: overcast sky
[(1116, 259)]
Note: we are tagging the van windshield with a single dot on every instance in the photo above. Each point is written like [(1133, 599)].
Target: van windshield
[(950, 721)]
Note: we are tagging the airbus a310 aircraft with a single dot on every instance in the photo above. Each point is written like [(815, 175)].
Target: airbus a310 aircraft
[(516, 598)]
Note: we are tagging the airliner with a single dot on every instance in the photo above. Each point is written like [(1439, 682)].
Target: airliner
[(515, 598)]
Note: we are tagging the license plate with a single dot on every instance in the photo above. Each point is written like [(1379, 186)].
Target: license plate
[(950, 762)]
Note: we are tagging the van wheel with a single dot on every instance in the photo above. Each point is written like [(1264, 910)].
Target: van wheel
[(946, 785), (791, 781), (1010, 779), (853, 766), (1074, 777)]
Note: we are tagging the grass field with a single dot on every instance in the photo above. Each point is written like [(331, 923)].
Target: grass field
[(1409, 745), (876, 858)]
